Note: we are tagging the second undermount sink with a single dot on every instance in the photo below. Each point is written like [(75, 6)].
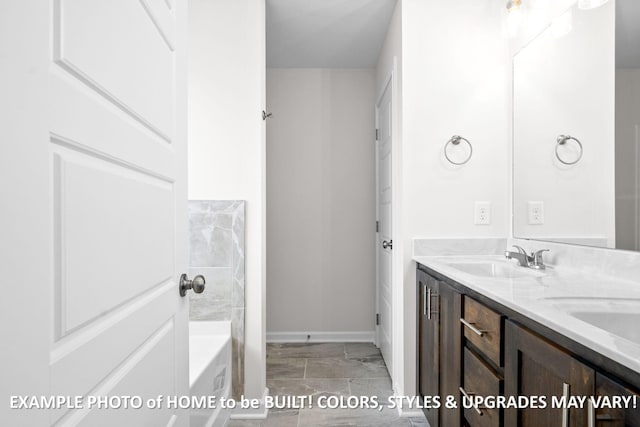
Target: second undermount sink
[(618, 316), (624, 325), (495, 269)]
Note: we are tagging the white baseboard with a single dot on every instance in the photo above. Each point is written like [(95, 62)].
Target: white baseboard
[(354, 336), (410, 413), (259, 413), (407, 412)]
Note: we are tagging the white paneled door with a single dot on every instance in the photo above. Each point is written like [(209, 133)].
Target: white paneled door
[(384, 239), (93, 218)]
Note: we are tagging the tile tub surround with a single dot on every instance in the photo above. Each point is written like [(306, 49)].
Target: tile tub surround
[(328, 369), (216, 250)]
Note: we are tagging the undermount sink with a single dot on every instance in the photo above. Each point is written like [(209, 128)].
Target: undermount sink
[(495, 269), (618, 316), (624, 325)]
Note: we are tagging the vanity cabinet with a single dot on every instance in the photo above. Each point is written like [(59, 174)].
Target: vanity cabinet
[(451, 348), (482, 374), (615, 417), (429, 342), (439, 346), (537, 367), (469, 344)]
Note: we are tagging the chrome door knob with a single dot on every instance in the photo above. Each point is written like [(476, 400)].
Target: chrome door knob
[(197, 284), (387, 244)]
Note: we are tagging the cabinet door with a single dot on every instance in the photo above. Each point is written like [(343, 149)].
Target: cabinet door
[(536, 367), (451, 351), (615, 417), (429, 342)]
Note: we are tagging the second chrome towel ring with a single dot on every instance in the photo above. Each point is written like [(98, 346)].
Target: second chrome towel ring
[(455, 140), (562, 139)]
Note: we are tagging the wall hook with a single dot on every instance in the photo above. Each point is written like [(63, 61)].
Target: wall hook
[(265, 116)]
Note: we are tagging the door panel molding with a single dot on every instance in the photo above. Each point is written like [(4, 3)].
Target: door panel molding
[(162, 20), (154, 354), (91, 57)]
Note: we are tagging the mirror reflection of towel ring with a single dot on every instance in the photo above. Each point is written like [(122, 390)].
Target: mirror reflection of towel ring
[(455, 140), (562, 139)]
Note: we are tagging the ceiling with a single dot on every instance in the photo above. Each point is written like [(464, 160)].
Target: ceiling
[(627, 34), (326, 33)]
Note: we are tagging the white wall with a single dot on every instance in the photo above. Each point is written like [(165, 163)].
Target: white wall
[(628, 158), (453, 82), (565, 85), (320, 202), (226, 140)]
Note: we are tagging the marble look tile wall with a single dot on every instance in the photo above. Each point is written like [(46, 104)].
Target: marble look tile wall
[(216, 250)]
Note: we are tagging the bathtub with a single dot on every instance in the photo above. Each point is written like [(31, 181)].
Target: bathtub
[(209, 368)]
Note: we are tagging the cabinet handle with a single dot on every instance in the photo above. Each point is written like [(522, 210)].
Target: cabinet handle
[(591, 417), (566, 388), (472, 327), (465, 394), (429, 303), (424, 300)]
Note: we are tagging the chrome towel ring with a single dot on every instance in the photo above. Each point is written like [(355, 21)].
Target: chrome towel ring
[(562, 139), (455, 140)]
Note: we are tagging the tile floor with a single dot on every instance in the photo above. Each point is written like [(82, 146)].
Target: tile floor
[(328, 369)]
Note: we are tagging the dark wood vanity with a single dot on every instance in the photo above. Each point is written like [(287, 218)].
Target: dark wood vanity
[(471, 345)]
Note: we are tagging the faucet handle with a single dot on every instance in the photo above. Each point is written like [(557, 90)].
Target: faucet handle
[(537, 257)]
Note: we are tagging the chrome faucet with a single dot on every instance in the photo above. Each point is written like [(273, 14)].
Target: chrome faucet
[(521, 256), (534, 260)]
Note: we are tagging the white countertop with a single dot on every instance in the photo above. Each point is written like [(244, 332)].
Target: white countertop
[(551, 296)]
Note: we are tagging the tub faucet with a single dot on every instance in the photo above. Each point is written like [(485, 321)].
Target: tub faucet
[(531, 261)]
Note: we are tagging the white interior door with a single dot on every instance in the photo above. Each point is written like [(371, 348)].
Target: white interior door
[(93, 219), (385, 232)]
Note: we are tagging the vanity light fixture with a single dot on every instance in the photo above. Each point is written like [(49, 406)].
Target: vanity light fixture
[(514, 16), (590, 4)]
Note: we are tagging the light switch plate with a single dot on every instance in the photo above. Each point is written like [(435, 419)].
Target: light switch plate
[(482, 213), (536, 213)]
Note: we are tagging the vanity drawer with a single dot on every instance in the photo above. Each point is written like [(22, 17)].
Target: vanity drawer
[(483, 328), (479, 380)]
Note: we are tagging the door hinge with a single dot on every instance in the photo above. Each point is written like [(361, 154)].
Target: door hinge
[(377, 319), (377, 226), (376, 134)]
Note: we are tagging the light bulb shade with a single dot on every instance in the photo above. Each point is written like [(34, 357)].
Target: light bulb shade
[(590, 4)]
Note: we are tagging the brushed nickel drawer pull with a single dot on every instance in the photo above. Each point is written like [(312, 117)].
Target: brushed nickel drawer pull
[(471, 326), (591, 418), (467, 395), (429, 303), (566, 388), (424, 300)]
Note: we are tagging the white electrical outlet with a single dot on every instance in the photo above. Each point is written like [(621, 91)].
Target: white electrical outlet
[(536, 213), (482, 213)]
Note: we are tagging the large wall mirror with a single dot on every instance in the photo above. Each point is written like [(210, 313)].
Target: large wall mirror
[(576, 129)]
